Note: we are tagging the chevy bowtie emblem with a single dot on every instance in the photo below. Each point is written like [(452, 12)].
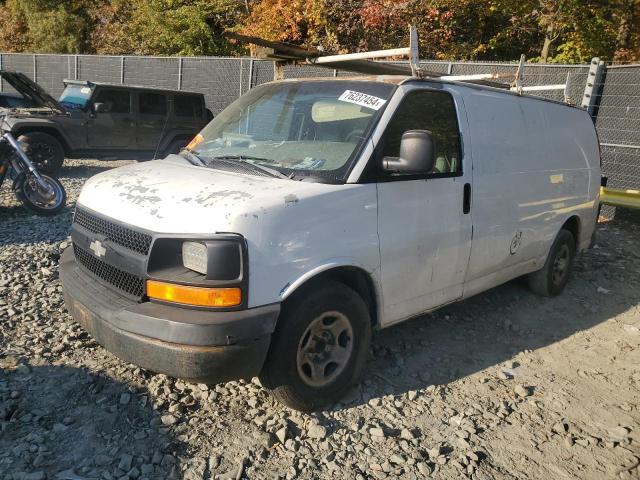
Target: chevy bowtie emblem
[(97, 248)]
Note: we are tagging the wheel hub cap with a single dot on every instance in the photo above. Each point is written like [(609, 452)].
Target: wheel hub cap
[(324, 349), (560, 265)]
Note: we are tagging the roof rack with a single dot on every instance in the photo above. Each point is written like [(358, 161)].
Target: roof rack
[(286, 54)]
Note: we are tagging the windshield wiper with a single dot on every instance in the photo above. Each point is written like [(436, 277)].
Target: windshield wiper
[(192, 158), (247, 160)]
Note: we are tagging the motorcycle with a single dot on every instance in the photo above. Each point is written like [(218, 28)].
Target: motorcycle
[(40, 193)]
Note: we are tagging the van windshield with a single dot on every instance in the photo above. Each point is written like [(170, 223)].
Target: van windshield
[(298, 128), (75, 97)]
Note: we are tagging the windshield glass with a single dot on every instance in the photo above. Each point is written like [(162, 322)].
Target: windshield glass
[(75, 96), (308, 127)]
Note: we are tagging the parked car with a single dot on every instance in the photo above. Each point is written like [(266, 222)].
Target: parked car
[(13, 100), (101, 120), (310, 212)]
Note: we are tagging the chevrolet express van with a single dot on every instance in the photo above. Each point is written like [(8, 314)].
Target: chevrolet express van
[(311, 212)]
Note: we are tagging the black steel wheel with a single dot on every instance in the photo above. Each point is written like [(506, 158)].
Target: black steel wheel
[(551, 279)]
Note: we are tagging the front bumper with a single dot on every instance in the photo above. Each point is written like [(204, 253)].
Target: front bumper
[(197, 345)]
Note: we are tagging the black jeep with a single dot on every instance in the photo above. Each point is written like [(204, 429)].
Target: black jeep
[(101, 120)]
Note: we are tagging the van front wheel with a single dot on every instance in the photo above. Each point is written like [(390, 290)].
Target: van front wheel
[(319, 348), (552, 278)]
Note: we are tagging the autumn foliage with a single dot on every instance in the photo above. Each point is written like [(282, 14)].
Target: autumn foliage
[(544, 30)]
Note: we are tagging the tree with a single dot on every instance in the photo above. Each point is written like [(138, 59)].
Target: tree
[(628, 35), (60, 26), (544, 30), (303, 22), (165, 27)]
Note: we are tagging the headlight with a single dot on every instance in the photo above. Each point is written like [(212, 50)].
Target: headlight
[(194, 256), (210, 272), (215, 259)]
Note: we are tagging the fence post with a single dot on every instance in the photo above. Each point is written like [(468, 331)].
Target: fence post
[(1, 82), (122, 70), (250, 74), (35, 68), (594, 78), (180, 73), (76, 69), (278, 70), (240, 82)]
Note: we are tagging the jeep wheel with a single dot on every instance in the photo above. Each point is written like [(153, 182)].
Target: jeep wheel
[(551, 279), (319, 348), (44, 150)]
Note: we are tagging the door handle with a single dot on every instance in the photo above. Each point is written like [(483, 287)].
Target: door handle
[(466, 199)]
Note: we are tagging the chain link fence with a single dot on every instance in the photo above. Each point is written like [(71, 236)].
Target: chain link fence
[(617, 120), (222, 80)]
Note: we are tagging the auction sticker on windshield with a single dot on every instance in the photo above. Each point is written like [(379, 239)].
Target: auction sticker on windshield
[(362, 99)]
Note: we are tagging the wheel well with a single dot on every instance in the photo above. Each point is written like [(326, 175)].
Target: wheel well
[(51, 131), (573, 226), (357, 279)]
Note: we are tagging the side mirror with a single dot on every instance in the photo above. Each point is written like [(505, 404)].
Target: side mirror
[(417, 151), (99, 107)]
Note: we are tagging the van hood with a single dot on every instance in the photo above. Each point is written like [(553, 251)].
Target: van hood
[(30, 90), (174, 196)]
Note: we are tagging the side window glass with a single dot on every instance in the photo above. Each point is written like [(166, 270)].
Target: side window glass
[(427, 110), (119, 101), (151, 103), (187, 106)]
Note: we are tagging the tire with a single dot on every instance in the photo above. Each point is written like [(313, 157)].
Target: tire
[(44, 150), (288, 372), (551, 279), (27, 191)]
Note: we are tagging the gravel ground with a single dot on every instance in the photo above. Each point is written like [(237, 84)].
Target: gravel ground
[(504, 385)]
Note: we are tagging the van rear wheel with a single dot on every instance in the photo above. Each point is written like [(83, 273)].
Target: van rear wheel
[(551, 279), (319, 348)]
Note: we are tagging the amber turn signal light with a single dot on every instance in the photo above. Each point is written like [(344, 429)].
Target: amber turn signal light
[(199, 296), (195, 141)]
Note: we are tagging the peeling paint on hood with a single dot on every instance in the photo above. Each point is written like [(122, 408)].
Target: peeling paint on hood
[(174, 196)]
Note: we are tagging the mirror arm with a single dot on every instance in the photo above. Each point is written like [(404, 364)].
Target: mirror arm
[(393, 164)]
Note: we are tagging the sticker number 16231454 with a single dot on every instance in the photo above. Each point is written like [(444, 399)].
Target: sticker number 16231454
[(362, 99)]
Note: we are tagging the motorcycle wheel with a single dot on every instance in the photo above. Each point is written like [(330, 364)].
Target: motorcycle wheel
[(32, 196)]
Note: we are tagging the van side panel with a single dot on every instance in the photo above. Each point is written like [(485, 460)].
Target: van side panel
[(535, 164)]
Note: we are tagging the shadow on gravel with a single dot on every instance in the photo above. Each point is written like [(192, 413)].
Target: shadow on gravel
[(489, 330), (20, 226), (57, 419), (80, 171)]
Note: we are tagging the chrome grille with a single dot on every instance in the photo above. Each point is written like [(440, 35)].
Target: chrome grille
[(123, 281), (126, 237)]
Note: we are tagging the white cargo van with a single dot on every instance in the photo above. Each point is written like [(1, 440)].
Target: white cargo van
[(310, 212)]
